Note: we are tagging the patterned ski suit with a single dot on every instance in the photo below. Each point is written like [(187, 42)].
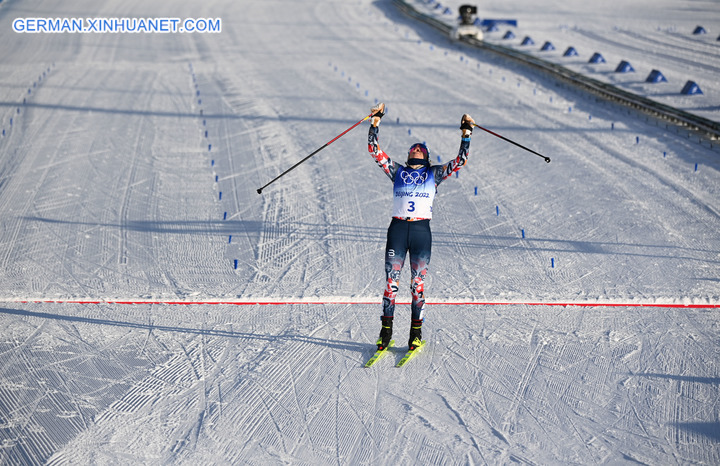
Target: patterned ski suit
[(409, 231)]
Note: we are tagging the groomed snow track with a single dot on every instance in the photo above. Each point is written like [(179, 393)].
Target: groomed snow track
[(156, 310)]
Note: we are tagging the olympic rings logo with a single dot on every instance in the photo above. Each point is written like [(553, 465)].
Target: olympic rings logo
[(413, 177)]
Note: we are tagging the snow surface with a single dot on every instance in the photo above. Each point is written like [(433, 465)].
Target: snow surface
[(110, 190), (648, 34)]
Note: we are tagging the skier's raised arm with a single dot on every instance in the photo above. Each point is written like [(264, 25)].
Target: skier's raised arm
[(466, 127), (380, 157)]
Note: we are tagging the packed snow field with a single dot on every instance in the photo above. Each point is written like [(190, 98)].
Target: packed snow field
[(680, 39), (129, 165)]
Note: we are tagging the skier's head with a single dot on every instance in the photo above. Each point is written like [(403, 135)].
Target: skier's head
[(418, 151)]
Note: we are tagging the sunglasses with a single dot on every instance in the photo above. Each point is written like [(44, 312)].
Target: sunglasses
[(423, 148)]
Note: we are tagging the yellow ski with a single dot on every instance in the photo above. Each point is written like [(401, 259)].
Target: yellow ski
[(378, 354), (409, 355)]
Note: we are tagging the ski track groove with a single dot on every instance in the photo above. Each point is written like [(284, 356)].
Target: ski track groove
[(128, 188), (252, 423), (305, 421), (17, 224), (472, 441), (8, 170)]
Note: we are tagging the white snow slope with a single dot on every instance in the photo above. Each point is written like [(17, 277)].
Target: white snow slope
[(678, 38), (128, 170)]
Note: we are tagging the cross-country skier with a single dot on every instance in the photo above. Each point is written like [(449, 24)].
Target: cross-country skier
[(414, 188)]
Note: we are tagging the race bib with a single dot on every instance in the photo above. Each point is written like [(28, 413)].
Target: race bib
[(413, 193)]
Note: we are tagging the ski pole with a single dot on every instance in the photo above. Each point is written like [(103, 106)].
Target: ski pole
[(259, 191), (547, 159)]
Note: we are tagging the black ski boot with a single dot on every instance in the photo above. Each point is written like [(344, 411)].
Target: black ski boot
[(385, 333), (415, 334)]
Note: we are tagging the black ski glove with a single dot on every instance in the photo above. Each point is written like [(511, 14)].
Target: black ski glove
[(377, 112), (466, 125)]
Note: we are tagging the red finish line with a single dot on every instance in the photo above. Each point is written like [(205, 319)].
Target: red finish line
[(337, 302)]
